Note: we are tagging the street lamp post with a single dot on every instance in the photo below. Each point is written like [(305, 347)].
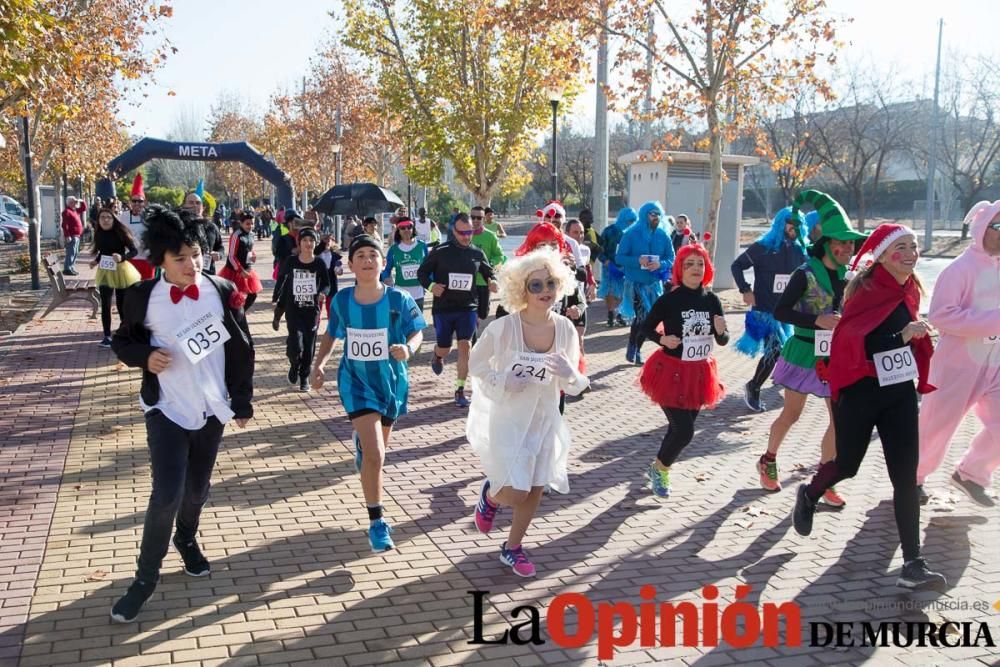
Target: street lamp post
[(336, 181), (555, 96)]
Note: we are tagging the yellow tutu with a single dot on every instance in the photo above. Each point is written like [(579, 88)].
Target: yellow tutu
[(124, 276)]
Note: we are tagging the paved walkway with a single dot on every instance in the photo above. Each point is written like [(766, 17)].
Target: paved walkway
[(293, 579)]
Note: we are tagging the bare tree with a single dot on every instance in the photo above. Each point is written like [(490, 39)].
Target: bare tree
[(855, 141), (782, 140)]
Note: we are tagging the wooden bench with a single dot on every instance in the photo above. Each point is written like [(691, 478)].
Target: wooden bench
[(64, 289)]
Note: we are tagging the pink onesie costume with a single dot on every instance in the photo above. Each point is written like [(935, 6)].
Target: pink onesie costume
[(965, 309)]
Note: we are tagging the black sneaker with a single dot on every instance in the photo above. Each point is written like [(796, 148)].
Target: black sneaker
[(922, 496), (611, 320), (974, 491), (802, 516), (303, 384), (916, 576), (751, 397), (128, 606), (276, 322), (195, 563), (293, 375), (620, 321), (105, 342)]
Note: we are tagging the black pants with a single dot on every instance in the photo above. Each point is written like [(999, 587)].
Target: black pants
[(483, 296), (859, 409), (182, 463), (772, 351), (301, 342), (106, 293), (251, 299), (635, 336), (680, 433)]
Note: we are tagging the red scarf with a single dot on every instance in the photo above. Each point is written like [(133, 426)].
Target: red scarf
[(865, 311)]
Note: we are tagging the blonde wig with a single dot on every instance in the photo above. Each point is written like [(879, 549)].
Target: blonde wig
[(513, 277)]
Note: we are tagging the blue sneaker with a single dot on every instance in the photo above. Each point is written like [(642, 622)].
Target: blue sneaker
[(660, 480), (460, 399), (357, 451), (378, 536), (437, 365), (630, 353)]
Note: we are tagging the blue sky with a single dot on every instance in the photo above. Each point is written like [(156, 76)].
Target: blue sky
[(253, 48)]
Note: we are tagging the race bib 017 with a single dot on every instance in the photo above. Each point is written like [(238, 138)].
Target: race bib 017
[(781, 282), (895, 366), (367, 344), (824, 339), (531, 365), (108, 263), (202, 337), (460, 281), (409, 271), (696, 348)]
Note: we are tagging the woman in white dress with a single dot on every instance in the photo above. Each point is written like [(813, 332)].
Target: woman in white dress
[(518, 368)]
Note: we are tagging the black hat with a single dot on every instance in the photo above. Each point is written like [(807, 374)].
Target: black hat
[(308, 231), (291, 214), (364, 241), (245, 215)]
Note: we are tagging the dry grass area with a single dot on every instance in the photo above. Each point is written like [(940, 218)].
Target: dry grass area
[(18, 301)]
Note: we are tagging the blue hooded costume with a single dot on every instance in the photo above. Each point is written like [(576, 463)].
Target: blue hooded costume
[(773, 254), (613, 280), (639, 240)]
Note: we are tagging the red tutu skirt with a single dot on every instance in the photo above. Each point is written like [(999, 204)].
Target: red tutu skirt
[(248, 284), (146, 270), (689, 385)]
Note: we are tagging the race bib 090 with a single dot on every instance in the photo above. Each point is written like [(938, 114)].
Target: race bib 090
[(531, 366), (202, 337), (895, 366), (460, 281), (367, 344)]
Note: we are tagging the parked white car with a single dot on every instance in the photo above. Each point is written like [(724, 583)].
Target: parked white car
[(13, 209)]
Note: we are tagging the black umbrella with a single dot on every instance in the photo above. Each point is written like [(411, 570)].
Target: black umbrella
[(359, 199)]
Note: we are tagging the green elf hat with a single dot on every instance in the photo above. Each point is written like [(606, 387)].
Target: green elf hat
[(833, 221)]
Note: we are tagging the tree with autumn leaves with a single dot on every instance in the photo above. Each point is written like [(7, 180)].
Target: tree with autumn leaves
[(466, 81)]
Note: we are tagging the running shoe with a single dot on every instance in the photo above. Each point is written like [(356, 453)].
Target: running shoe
[(832, 498), (105, 342), (620, 321), (974, 491), (630, 353), (460, 399), (922, 496), (437, 365), (357, 451), (611, 319), (128, 606), (303, 384), (638, 355), (485, 511), (751, 397), (293, 375), (378, 536), (802, 515), (660, 480), (195, 563), (916, 576), (517, 560), (768, 471)]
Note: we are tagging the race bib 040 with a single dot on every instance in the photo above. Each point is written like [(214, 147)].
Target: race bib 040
[(824, 338), (460, 281), (367, 344), (108, 263), (531, 366), (202, 337), (696, 348), (895, 366)]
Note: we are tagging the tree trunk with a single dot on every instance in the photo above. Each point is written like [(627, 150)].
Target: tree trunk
[(715, 174), (483, 195), (860, 194)]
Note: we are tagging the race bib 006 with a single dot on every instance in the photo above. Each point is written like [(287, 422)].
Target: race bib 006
[(367, 344), (895, 366), (202, 337), (531, 365), (460, 281)]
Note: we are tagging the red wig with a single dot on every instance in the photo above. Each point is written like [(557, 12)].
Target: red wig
[(543, 232), (677, 272)]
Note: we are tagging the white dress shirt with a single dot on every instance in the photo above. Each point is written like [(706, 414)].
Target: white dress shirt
[(137, 227), (189, 393)]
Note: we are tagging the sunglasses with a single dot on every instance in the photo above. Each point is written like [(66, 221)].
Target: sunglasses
[(995, 226), (138, 201), (476, 217), (465, 233), (539, 286)]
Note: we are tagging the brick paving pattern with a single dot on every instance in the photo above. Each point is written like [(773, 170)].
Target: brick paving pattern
[(294, 582)]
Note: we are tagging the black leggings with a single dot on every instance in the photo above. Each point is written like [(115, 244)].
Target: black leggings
[(635, 336), (106, 293), (679, 434), (860, 408), (251, 298), (772, 351)]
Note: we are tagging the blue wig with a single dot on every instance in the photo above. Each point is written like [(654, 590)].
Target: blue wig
[(650, 206), (626, 217), (812, 219), (775, 237)]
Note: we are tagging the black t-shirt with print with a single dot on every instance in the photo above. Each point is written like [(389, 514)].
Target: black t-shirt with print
[(684, 312)]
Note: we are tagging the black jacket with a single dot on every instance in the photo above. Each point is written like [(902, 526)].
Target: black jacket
[(132, 345)]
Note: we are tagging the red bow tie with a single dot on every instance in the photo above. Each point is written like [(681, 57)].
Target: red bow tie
[(176, 293)]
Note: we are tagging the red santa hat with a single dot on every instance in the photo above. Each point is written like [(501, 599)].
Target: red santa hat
[(137, 192), (884, 236), (552, 209)]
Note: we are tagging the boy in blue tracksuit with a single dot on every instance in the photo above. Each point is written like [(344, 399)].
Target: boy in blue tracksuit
[(646, 257)]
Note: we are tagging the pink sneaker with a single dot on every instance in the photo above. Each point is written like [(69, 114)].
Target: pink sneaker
[(485, 510), (517, 560), (832, 498)]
